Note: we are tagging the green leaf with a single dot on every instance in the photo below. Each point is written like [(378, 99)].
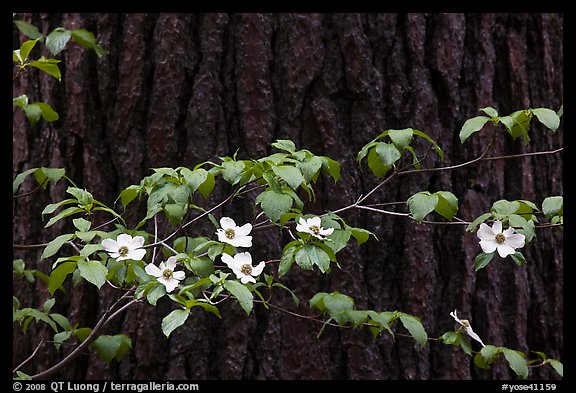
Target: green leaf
[(547, 117), (434, 144), (332, 167), (286, 259), (58, 275), (482, 259), (383, 320), (25, 49), (82, 224), (517, 362), (414, 326), (339, 239), (201, 266), (422, 203), (490, 111), (505, 207), (157, 291), (361, 235), (194, 178), (473, 226), (447, 205), (333, 303), (232, 171), (450, 338), (517, 124), (87, 40), (53, 174), (93, 272), (489, 352), (241, 293), (48, 304), (291, 175), (19, 179), (552, 206), (401, 138), (33, 112), (56, 41), (471, 126), (387, 153), (274, 204), (310, 168), (29, 30), (175, 212), (55, 245), (174, 320), (49, 66), (61, 320), (518, 258), (307, 255), (64, 213), (284, 144), (376, 165), (111, 347), (557, 366), (90, 249)]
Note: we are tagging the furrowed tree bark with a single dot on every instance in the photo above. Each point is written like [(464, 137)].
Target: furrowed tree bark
[(180, 89)]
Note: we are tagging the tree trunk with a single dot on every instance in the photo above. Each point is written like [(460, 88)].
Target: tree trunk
[(180, 89)]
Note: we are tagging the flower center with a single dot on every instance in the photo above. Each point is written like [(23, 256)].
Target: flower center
[(315, 229), (229, 233), (123, 251), (246, 269), (167, 274), (500, 238)]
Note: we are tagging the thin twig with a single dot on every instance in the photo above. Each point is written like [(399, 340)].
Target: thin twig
[(108, 315), (29, 357)]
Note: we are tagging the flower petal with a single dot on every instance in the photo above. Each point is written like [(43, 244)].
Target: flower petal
[(256, 270), (153, 270), (488, 246), (326, 232), (221, 235), (474, 335), (243, 258), (110, 245), (508, 232), (301, 226), (123, 239), (179, 275), (227, 222), (455, 316), (243, 241), (229, 261), (244, 230), (497, 226), (171, 263), (136, 242), (315, 221), (245, 279), (170, 284), (485, 232), (504, 250), (136, 255), (516, 240)]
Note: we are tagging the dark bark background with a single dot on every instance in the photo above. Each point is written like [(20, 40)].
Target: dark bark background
[(179, 89)]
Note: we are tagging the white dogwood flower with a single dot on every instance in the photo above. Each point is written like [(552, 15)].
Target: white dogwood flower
[(493, 239), (165, 273), (467, 327), (125, 247), (313, 226), (241, 265), (232, 234)]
